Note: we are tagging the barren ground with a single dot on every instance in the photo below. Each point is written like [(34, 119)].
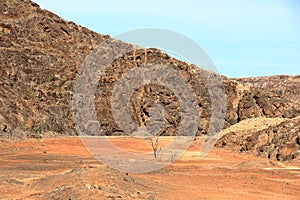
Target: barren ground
[(63, 169)]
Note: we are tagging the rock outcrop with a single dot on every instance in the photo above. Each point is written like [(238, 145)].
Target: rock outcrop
[(39, 58), (39, 62), (285, 86), (242, 102), (275, 138)]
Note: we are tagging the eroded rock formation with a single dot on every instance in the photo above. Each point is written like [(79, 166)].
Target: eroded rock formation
[(39, 62)]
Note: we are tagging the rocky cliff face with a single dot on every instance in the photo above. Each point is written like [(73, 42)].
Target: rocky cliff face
[(285, 86), (242, 102), (39, 61)]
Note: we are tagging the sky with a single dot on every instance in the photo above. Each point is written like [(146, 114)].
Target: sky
[(243, 38)]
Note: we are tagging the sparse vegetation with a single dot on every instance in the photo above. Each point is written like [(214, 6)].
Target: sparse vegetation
[(36, 132), (154, 142), (173, 156)]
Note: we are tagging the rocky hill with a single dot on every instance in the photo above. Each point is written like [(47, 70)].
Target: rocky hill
[(272, 138), (40, 54), (39, 62), (242, 102), (282, 85)]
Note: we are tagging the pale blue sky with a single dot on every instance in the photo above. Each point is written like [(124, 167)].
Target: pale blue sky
[(243, 37)]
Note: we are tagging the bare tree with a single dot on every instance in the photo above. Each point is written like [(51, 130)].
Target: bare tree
[(154, 141), (173, 156), (157, 119)]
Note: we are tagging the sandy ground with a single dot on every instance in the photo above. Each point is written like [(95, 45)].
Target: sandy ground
[(64, 169)]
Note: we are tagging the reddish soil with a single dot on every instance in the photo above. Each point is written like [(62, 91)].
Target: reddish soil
[(64, 169)]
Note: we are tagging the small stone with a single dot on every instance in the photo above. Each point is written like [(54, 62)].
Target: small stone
[(99, 187), (88, 186)]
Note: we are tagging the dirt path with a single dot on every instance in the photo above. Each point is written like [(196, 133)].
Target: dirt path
[(64, 169)]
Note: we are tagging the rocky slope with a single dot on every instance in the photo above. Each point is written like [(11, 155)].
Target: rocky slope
[(282, 85), (272, 138), (39, 61), (242, 102), (40, 54)]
